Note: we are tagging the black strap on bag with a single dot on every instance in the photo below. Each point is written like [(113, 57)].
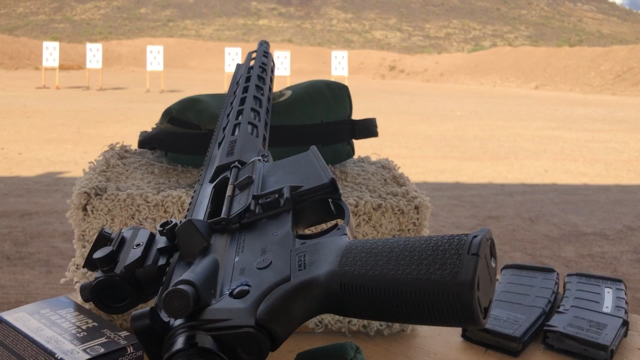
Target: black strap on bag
[(327, 133), (196, 141)]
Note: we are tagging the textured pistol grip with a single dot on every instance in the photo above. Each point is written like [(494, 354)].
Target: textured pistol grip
[(445, 280)]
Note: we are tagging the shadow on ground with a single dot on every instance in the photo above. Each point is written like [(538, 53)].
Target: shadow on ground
[(36, 240), (112, 89), (81, 87), (570, 227)]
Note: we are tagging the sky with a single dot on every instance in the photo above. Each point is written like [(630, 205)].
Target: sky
[(631, 4)]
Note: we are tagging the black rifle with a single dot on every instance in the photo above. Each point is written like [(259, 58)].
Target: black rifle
[(238, 276)]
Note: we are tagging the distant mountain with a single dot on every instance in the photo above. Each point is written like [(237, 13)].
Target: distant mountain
[(408, 26), (631, 4)]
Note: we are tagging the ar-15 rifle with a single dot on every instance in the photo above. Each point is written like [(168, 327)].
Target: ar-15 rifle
[(238, 276)]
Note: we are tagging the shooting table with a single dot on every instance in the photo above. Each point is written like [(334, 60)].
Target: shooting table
[(431, 343)]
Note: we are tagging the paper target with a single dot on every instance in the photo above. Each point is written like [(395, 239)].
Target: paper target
[(155, 58), (339, 63), (282, 60), (94, 56), (50, 54), (232, 56)]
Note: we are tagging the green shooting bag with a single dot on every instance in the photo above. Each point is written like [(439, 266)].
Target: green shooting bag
[(316, 112)]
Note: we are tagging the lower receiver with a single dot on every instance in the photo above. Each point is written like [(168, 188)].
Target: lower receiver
[(443, 280)]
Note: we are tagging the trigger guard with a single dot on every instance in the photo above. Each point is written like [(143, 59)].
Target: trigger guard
[(344, 229), (349, 227)]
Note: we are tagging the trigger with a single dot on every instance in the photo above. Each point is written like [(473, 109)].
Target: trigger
[(319, 234)]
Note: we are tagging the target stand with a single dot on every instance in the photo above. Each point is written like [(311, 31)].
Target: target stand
[(340, 65), (232, 56), (161, 80), (88, 81), (275, 81), (282, 60), (155, 63), (94, 62), (44, 86), (346, 79), (50, 60), (225, 87)]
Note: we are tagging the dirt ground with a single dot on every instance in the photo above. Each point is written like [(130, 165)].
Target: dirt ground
[(555, 175)]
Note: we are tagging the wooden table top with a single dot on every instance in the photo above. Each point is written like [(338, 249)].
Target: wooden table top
[(433, 343), (438, 343)]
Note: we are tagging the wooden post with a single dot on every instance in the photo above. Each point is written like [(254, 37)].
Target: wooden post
[(346, 80), (224, 83), (57, 78), (88, 79), (275, 82), (148, 81), (44, 85), (100, 79), (161, 82)]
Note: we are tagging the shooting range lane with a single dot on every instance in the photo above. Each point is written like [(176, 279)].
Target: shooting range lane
[(472, 134), (430, 130)]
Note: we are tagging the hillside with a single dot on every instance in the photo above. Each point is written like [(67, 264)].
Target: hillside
[(407, 26)]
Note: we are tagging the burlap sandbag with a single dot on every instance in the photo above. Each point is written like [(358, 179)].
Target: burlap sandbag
[(127, 187)]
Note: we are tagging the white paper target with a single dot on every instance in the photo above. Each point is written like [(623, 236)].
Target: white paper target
[(155, 58), (50, 54), (339, 63), (232, 56), (283, 63), (94, 56)]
